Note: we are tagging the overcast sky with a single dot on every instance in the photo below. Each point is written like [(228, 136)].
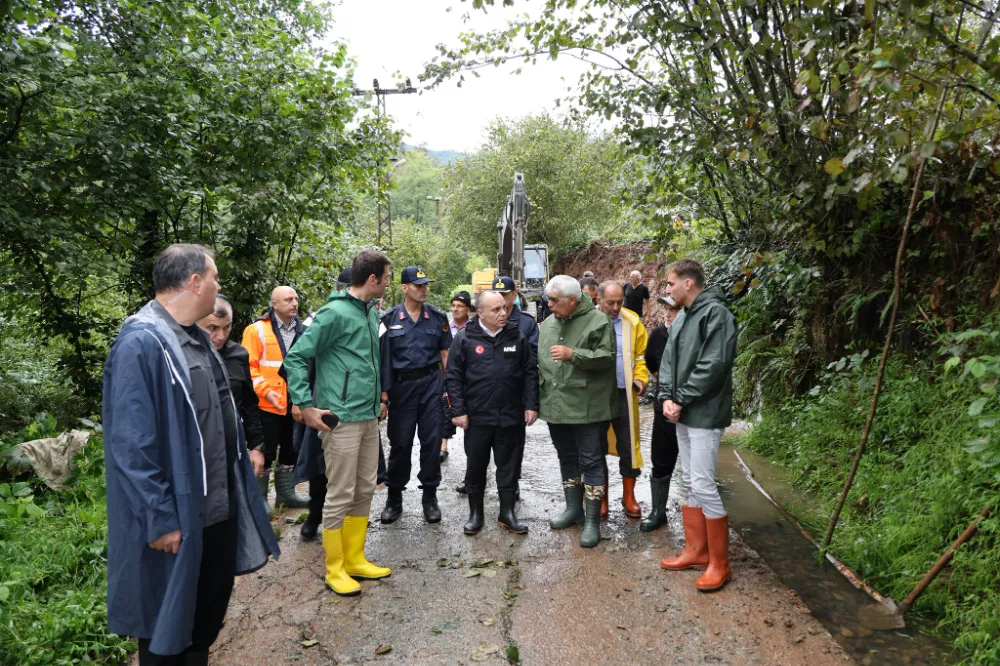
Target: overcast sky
[(386, 36)]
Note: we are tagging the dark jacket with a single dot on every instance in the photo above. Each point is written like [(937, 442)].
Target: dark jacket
[(697, 367), (155, 473), (237, 360), (528, 326), (492, 380)]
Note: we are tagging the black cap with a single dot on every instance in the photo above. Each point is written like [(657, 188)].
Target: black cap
[(414, 275), (345, 276), (503, 285), (463, 298)]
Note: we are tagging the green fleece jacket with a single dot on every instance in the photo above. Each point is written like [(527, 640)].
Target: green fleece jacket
[(696, 371), (343, 340), (583, 389)]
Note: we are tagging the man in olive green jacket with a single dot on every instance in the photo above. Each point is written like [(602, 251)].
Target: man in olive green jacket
[(344, 342), (579, 396), (696, 385)]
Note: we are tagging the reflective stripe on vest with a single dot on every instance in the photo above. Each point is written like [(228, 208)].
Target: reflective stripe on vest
[(263, 348)]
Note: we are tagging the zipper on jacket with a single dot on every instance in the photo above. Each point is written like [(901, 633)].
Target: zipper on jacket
[(343, 394)]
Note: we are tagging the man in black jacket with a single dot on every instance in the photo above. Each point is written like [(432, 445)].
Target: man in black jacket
[(219, 325), (492, 381)]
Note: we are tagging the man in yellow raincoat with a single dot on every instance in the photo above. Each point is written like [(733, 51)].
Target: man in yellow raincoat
[(622, 438)]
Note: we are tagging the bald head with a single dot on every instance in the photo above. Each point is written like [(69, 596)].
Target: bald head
[(611, 297), (285, 303), (491, 308)]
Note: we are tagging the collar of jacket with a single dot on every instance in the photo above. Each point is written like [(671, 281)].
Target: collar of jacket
[(704, 298), (269, 316), (473, 330), (149, 319)]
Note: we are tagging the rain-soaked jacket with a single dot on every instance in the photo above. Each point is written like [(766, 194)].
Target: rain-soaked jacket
[(155, 474)]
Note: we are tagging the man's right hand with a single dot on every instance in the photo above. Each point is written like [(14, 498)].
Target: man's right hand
[(168, 543), (274, 398), (461, 421), (313, 417)]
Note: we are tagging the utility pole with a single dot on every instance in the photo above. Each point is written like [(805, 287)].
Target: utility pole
[(384, 211), (437, 206)]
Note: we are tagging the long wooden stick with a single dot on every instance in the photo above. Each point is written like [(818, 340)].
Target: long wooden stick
[(941, 563), (896, 292)]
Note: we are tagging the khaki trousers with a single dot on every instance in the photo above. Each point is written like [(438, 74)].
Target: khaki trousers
[(351, 452)]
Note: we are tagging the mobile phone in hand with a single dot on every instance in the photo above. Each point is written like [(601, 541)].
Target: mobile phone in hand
[(331, 420)]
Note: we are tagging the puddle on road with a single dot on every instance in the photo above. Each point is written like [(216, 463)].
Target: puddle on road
[(848, 613)]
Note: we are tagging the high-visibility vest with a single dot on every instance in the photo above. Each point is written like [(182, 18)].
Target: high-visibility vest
[(265, 359)]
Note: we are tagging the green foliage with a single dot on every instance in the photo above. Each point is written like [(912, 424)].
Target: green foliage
[(571, 178), (418, 178), (426, 246), (53, 583)]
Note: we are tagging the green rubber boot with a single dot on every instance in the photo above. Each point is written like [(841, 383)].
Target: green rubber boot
[(573, 515), (284, 489), (591, 535), (657, 517), (262, 482)]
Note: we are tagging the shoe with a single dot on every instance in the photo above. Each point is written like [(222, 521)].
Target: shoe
[(393, 507), (632, 508), (310, 528), (573, 515), (444, 455), (591, 535), (475, 522), (199, 658), (284, 489), (432, 512), (657, 516), (336, 578), (354, 534), (262, 482), (507, 518), (604, 501), (695, 553), (462, 489), (717, 574)]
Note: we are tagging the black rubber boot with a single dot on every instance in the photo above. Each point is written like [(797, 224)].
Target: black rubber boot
[(591, 535), (573, 515), (393, 506), (199, 658), (462, 489), (317, 497), (432, 512), (507, 519), (657, 516), (262, 482), (475, 523)]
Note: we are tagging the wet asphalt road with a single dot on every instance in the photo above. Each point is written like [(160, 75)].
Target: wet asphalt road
[(538, 597)]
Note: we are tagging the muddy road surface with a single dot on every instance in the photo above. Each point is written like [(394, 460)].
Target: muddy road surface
[(537, 599)]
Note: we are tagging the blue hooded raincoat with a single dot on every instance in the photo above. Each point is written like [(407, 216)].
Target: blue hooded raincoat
[(155, 473)]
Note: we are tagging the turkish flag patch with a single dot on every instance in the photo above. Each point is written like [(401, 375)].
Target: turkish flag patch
[(480, 349)]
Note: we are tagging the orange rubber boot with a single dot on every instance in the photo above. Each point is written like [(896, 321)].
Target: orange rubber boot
[(695, 553), (632, 508), (717, 574), (604, 501)]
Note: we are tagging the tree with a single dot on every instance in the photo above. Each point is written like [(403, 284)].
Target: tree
[(571, 179)]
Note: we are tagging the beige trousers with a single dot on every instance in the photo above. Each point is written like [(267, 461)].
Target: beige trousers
[(351, 452)]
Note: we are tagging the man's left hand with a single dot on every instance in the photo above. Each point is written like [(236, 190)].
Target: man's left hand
[(257, 460), (530, 417), (672, 410), (297, 414), (561, 353), (639, 386)]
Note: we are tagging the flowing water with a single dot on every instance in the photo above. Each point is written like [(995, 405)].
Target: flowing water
[(855, 619)]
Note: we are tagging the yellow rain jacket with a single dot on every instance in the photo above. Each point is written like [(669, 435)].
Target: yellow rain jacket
[(634, 359)]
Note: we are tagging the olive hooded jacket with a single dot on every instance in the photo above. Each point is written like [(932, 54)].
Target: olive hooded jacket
[(583, 389)]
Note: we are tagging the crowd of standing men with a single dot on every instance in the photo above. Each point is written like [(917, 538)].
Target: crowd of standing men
[(194, 422)]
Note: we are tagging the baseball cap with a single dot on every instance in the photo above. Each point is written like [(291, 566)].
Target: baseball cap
[(503, 284), (345, 276), (667, 300), (589, 274), (463, 298), (414, 275)]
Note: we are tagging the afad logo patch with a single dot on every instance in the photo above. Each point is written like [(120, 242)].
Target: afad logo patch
[(420, 272), (499, 284), (480, 349)]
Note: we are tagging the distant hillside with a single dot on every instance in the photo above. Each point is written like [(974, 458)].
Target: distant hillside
[(440, 156)]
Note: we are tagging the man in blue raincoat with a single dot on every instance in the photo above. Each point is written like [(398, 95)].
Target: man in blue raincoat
[(184, 514)]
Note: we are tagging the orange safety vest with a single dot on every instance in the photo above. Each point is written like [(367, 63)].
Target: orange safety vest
[(265, 359)]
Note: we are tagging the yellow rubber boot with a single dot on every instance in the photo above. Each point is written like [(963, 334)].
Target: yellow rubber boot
[(355, 533), (336, 578)]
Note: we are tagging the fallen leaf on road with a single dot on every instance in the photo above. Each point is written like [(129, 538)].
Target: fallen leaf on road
[(383, 649), (489, 573), (442, 562), (662, 609), (472, 573), (486, 620), (310, 642), (484, 563), (518, 586)]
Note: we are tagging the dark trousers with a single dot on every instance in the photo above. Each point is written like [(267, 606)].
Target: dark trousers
[(503, 442), (278, 434), (663, 443), (578, 446), (623, 439), (317, 496), (415, 409), (215, 586)]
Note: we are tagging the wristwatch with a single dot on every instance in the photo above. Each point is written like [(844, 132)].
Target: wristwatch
[(384, 402)]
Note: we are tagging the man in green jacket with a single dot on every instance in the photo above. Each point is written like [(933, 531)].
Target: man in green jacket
[(343, 341), (696, 385), (579, 396)]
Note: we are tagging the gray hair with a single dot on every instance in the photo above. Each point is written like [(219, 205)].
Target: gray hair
[(635, 273), (604, 286), (563, 286), (177, 263)]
